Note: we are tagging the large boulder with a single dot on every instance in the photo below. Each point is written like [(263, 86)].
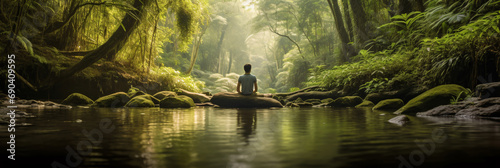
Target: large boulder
[(365, 103), (163, 94), (440, 95), (389, 104), (487, 90), (177, 102), (235, 100), (197, 97), (77, 99), (473, 107), (118, 99), (140, 101), (346, 101)]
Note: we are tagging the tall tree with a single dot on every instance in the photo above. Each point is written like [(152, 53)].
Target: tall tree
[(359, 18), (347, 50)]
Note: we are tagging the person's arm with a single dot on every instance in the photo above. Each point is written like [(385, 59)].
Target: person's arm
[(238, 87), (255, 84)]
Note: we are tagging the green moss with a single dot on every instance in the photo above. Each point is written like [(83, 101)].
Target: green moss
[(140, 101), (440, 95), (118, 99), (163, 94), (389, 104), (365, 103), (329, 100), (76, 99), (347, 101), (177, 102)]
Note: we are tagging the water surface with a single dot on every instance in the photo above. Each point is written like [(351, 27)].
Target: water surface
[(213, 137)]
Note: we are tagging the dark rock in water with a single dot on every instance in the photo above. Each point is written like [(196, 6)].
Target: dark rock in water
[(177, 102), (197, 97), (365, 103), (141, 101), (487, 90), (163, 94), (118, 99), (77, 99), (235, 100), (470, 108), (400, 120), (389, 104), (313, 95), (347, 101), (440, 95)]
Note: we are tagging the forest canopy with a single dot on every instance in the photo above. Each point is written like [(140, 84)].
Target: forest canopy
[(357, 46)]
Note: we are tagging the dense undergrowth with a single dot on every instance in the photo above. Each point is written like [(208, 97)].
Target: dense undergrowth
[(464, 56)]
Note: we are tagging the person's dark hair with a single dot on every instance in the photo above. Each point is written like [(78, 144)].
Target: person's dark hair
[(247, 68)]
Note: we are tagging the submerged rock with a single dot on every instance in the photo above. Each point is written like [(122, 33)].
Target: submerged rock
[(163, 94), (141, 101), (235, 100), (118, 99), (400, 120), (440, 95), (389, 104), (197, 97), (77, 99), (177, 102), (347, 101)]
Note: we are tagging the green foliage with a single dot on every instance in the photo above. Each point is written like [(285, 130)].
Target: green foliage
[(461, 96), (375, 85), (293, 89)]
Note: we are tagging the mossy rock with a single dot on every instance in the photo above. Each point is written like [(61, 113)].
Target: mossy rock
[(298, 100), (118, 99), (440, 95), (77, 99), (132, 91), (347, 101), (389, 104), (365, 103), (140, 101), (328, 100), (177, 102), (163, 94), (313, 101)]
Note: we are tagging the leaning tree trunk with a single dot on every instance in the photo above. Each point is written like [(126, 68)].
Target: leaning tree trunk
[(348, 21), (347, 50), (113, 44)]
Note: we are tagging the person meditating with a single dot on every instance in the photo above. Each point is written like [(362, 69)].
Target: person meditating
[(247, 82)]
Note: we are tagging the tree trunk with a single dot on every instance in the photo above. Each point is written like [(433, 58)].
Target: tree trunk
[(113, 44), (230, 62), (404, 7), (419, 5), (359, 18), (348, 22), (347, 50), (219, 48)]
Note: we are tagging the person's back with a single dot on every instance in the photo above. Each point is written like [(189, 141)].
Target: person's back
[(247, 82)]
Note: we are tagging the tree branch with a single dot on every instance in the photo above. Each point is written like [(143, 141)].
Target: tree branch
[(288, 37), (57, 25)]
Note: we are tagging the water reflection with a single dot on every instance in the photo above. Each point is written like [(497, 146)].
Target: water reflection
[(247, 123)]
